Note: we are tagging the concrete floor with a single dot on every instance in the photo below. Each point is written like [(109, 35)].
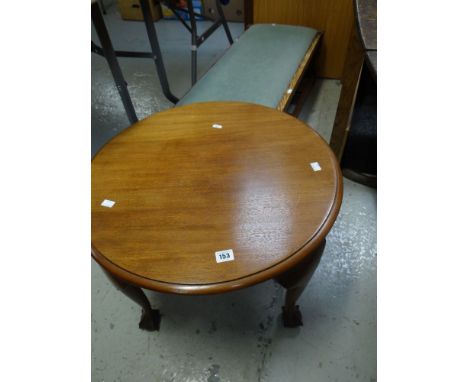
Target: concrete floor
[(236, 336)]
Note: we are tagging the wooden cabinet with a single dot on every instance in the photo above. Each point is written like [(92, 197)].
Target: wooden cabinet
[(334, 17)]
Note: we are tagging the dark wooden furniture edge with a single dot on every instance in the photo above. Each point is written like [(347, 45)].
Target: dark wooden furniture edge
[(350, 81), (248, 13), (295, 280), (368, 180), (150, 318), (299, 73), (302, 92)]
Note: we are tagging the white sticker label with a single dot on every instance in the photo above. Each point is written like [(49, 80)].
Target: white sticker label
[(225, 255), (107, 203), (217, 126), (315, 166)]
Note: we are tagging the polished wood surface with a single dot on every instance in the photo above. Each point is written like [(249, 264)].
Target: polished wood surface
[(363, 41), (333, 17), (301, 69), (183, 190), (150, 318), (295, 281), (349, 88)]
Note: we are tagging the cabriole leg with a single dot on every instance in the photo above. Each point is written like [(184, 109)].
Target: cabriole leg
[(295, 281), (150, 318)]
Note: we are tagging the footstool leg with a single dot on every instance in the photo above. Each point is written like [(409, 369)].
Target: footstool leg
[(295, 281), (150, 318)]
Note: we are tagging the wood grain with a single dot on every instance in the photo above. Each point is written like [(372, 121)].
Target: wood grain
[(184, 190), (350, 82), (293, 84), (333, 17)]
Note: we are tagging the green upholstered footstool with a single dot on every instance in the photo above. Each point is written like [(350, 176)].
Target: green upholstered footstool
[(262, 67)]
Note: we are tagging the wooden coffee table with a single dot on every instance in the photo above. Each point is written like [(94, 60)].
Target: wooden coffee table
[(210, 198)]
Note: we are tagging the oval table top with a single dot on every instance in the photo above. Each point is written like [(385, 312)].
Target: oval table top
[(209, 177)]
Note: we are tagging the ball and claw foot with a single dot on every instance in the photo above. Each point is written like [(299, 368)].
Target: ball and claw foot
[(150, 320), (292, 318)]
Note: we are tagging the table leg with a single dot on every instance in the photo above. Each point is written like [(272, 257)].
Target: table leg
[(295, 281), (150, 318)]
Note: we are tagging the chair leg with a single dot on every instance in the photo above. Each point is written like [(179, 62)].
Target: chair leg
[(224, 22), (156, 51), (193, 27), (295, 281), (111, 58)]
